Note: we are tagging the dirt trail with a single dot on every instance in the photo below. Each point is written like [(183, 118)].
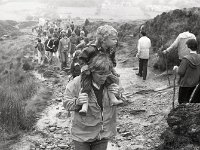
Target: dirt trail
[(139, 123)]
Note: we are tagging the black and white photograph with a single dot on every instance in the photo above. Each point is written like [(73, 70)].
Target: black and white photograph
[(99, 75)]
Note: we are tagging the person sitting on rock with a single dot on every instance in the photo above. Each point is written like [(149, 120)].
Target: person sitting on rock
[(189, 71)]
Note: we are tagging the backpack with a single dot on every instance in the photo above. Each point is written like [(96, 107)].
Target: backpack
[(45, 45)]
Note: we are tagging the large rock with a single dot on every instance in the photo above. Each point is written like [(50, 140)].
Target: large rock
[(184, 127)]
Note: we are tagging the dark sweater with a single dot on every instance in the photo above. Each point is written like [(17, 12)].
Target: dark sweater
[(99, 95), (189, 70)]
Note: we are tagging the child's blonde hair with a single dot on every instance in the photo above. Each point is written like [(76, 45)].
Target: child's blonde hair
[(104, 32)]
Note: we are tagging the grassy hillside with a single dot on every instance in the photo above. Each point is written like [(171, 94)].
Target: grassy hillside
[(7, 27)]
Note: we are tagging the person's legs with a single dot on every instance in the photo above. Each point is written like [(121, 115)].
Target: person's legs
[(62, 60), (82, 145), (50, 57), (140, 67), (196, 96), (66, 59), (39, 57), (185, 94), (99, 145), (144, 68)]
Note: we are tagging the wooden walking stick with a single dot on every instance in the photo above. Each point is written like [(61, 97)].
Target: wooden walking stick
[(166, 64), (174, 90), (166, 61)]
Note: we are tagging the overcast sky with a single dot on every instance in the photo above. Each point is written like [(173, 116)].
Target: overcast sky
[(178, 3), (132, 9)]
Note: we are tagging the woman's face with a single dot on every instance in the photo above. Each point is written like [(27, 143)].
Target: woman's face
[(111, 41), (99, 77)]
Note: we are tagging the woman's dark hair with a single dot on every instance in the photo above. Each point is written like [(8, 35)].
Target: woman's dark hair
[(192, 44)]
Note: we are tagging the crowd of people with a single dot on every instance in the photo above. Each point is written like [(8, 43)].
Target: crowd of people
[(63, 43), (94, 92)]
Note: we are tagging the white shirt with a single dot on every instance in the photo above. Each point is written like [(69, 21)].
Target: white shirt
[(144, 44)]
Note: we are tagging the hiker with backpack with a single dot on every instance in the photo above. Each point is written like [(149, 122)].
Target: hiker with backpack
[(92, 132), (63, 49), (40, 51), (106, 42), (189, 71)]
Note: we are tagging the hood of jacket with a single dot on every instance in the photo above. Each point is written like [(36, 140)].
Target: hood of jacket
[(194, 60)]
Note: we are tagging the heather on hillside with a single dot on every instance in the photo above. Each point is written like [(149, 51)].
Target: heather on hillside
[(16, 88)]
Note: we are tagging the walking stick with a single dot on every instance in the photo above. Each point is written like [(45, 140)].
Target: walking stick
[(166, 64), (174, 89)]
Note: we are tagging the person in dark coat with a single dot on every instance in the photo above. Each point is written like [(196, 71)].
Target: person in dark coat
[(189, 71)]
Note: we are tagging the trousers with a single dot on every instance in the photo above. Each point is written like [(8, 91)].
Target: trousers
[(96, 145)]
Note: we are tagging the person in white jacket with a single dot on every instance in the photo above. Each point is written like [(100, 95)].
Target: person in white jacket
[(144, 44), (180, 44)]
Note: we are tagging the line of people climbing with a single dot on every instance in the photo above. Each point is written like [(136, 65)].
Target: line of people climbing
[(64, 44)]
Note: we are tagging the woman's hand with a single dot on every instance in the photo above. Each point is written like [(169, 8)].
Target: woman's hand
[(83, 98)]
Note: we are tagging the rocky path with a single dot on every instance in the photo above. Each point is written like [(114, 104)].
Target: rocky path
[(140, 123)]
